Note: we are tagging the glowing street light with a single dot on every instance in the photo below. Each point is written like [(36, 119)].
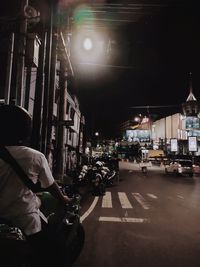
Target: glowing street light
[(87, 44)]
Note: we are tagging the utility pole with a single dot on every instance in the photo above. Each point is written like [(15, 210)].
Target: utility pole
[(60, 150), (9, 69), (27, 87), (52, 84), (47, 80), (39, 95), (21, 56)]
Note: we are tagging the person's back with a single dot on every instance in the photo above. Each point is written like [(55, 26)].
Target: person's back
[(18, 203)]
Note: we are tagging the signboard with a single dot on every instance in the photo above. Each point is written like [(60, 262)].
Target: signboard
[(137, 135), (173, 145), (192, 143), (192, 123)]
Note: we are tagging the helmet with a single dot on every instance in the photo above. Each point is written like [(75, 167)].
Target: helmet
[(15, 124)]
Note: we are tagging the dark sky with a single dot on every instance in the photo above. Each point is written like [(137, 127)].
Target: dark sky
[(148, 64)]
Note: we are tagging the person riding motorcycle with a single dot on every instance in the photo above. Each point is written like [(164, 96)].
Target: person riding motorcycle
[(18, 204)]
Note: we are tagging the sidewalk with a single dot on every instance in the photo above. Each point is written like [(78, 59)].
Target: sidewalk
[(130, 165)]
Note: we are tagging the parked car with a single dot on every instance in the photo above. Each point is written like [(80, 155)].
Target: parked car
[(180, 167), (196, 168)]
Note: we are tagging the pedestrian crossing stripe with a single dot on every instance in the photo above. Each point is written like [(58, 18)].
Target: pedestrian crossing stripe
[(123, 219), (125, 203), (107, 201), (152, 196), (141, 200)]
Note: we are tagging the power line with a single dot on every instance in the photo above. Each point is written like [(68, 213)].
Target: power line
[(155, 106)]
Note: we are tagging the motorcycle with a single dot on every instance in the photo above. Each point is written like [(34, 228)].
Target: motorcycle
[(108, 174), (15, 250), (82, 178), (96, 181), (144, 166)]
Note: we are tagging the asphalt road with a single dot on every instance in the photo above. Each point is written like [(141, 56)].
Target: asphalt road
[(143, 221)]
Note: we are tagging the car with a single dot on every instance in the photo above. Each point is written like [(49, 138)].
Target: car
[(196, 168), (180, 167)]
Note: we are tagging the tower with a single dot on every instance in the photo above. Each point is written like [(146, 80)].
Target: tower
[(191, 107)]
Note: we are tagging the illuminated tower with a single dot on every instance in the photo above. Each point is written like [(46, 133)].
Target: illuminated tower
[(191, 107), (191, 111)]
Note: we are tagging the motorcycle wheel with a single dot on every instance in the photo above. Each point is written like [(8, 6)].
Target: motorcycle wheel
[(76, 245)]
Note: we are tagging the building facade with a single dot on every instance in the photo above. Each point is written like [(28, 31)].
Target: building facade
[(159, 133), (36, 73)]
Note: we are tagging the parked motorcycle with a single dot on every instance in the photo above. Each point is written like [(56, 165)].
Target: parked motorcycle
[(108, 173), (15, 250), (96, 181), (82, 178)]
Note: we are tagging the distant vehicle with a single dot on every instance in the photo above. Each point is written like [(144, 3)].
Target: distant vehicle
[(180, 167), (196, 167)]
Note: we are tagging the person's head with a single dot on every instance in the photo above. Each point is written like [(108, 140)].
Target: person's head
[(15, 124)]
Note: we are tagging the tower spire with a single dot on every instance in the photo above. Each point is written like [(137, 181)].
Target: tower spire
[(191, 96)]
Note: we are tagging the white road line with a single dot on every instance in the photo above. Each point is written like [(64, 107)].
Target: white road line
[(179, 196), (123, 219), (152, 196), (87, 213), (124, 201), (107, 201), (141, 200)]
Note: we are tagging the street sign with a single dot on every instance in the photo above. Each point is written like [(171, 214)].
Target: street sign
[(174, 145), (192, 143)]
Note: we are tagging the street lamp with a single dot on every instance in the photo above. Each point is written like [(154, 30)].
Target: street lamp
[(87, 44), (138, 118)]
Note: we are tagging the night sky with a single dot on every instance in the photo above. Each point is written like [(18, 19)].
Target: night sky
[(149, 64)]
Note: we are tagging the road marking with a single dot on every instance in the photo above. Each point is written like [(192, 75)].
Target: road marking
[(152, 196), (124, 201), (107, 201), (141, 200), (87, 213), (179, 196), (123, 219)]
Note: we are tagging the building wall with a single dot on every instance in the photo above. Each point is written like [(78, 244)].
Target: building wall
[(168, 127), (158, 130), (175, 125)]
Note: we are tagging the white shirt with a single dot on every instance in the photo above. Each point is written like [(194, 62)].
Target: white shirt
[(18, 203)]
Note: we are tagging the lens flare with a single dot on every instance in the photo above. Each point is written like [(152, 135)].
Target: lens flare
[(83, 13)]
